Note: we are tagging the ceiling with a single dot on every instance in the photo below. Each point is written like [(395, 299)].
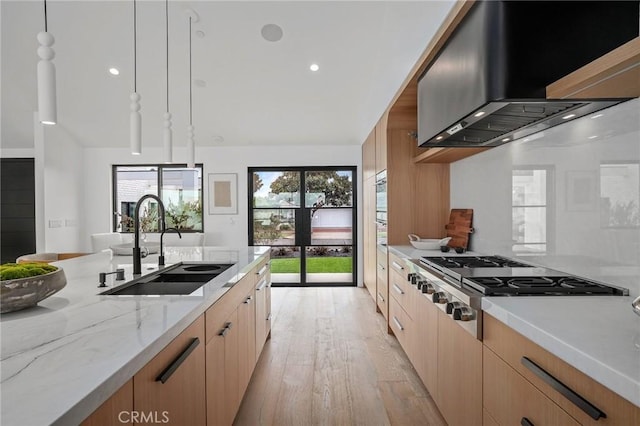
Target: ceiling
[(246, 91)]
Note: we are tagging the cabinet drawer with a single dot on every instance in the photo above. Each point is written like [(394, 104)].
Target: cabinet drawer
[(382, 298), (513, 348), (509, 398), (401, 290), (401, 325)]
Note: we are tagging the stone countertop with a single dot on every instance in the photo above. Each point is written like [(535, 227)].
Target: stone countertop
[(598, 335), (60, 360)]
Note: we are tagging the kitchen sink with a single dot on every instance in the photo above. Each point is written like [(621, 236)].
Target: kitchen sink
[(180, 279)]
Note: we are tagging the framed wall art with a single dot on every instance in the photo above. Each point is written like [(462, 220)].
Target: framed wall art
[(223, 193)]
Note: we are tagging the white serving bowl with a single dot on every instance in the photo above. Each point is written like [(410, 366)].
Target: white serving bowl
[(427, 243)]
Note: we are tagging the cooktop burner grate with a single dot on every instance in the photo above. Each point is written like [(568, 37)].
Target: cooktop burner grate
[(474, 262), (499, 286)]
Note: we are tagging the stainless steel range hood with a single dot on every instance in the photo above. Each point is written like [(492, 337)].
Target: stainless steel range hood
[(487, 85)]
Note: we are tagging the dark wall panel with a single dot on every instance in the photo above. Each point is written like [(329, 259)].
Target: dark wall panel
[(17, 208)]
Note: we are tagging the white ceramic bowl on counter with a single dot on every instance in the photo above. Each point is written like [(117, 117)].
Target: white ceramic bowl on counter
[(427, 243)]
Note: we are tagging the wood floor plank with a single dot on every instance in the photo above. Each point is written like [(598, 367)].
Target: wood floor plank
[(330, 361)]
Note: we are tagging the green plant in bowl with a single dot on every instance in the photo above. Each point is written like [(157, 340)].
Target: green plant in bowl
[(23, 285)]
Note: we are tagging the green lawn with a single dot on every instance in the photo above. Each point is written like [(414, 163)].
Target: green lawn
[(314, 265)]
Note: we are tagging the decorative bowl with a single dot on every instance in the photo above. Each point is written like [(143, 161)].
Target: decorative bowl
[(427, 243), (21, 293)]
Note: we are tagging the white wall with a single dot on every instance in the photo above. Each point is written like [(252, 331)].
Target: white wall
[(224, 230), (59, 160), (576, 149)]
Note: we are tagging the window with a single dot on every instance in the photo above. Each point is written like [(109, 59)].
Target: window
[(530, 210), (620, 195), (179, 188)]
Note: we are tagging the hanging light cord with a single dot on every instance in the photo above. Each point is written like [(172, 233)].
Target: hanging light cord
[(45, 16), (166, 13), (190, 89), (134, 47)]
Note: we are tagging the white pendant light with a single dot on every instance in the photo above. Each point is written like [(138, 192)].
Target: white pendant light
[(191, 145), (47, 110), (135, 119), (168, 133)]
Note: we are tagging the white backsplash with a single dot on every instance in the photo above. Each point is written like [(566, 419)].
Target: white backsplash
[(590, 164)]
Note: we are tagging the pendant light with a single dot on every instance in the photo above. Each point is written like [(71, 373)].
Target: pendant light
[(168, 134), (135, 119), (47, 110), (191, 146)]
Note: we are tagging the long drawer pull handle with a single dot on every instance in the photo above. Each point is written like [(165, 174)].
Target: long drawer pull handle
[(261, 284), (226, 329), (397, 289), (565, 391), (380, 296), (397, 266), (398, 323), (263, 269), (166, 374), (526, 422)]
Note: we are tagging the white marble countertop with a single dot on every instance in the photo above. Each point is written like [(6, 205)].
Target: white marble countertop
[(60, 360), (598, 335)]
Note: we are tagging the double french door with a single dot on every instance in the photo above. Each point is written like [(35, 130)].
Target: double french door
[(307, 216)]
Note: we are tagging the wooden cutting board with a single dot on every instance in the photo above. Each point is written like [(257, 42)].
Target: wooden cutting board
[(459, 227)]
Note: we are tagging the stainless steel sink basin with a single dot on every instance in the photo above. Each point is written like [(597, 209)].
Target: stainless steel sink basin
[(180, 279)]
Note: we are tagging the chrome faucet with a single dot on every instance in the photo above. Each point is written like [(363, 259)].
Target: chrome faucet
[(161, 257), (137, 267)]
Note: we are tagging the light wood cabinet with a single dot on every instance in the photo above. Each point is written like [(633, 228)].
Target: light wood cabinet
[(115, 411), (369, 235), (522, 355), (222, 373), (246, 341), (399, 287), (263, 306), (171, 387), (382, 288), (402, 326), (459, 390), (381, 144), (426, 363), (369, 156), (510, 399)]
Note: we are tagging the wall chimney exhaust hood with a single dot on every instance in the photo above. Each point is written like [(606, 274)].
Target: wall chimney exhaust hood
[(487, 86)]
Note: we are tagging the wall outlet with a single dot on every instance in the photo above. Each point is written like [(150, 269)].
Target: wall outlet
[(57, 223)]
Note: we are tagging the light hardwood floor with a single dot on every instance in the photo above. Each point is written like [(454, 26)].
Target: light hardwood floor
[(330, 361)]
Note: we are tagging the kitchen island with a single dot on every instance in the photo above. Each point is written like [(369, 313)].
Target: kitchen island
[(597, 335), (62, 359)]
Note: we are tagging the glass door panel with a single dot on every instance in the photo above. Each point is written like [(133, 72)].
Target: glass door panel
[(312, 236)]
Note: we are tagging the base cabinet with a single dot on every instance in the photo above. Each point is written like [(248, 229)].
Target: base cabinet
[(116, 411), (515, 365), (201, 376), (171, 387), (459, 390)]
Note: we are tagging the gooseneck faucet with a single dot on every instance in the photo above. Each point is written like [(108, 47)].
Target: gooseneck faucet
[(161, 257), (137, 267)]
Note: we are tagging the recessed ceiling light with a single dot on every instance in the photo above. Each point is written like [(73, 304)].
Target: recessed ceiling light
[(593, 136), (597, 115), (271, 32), (566, 117), (505, 140), (314, 67), (479, 114), (114, 71), (439, 138), (48, 123)]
